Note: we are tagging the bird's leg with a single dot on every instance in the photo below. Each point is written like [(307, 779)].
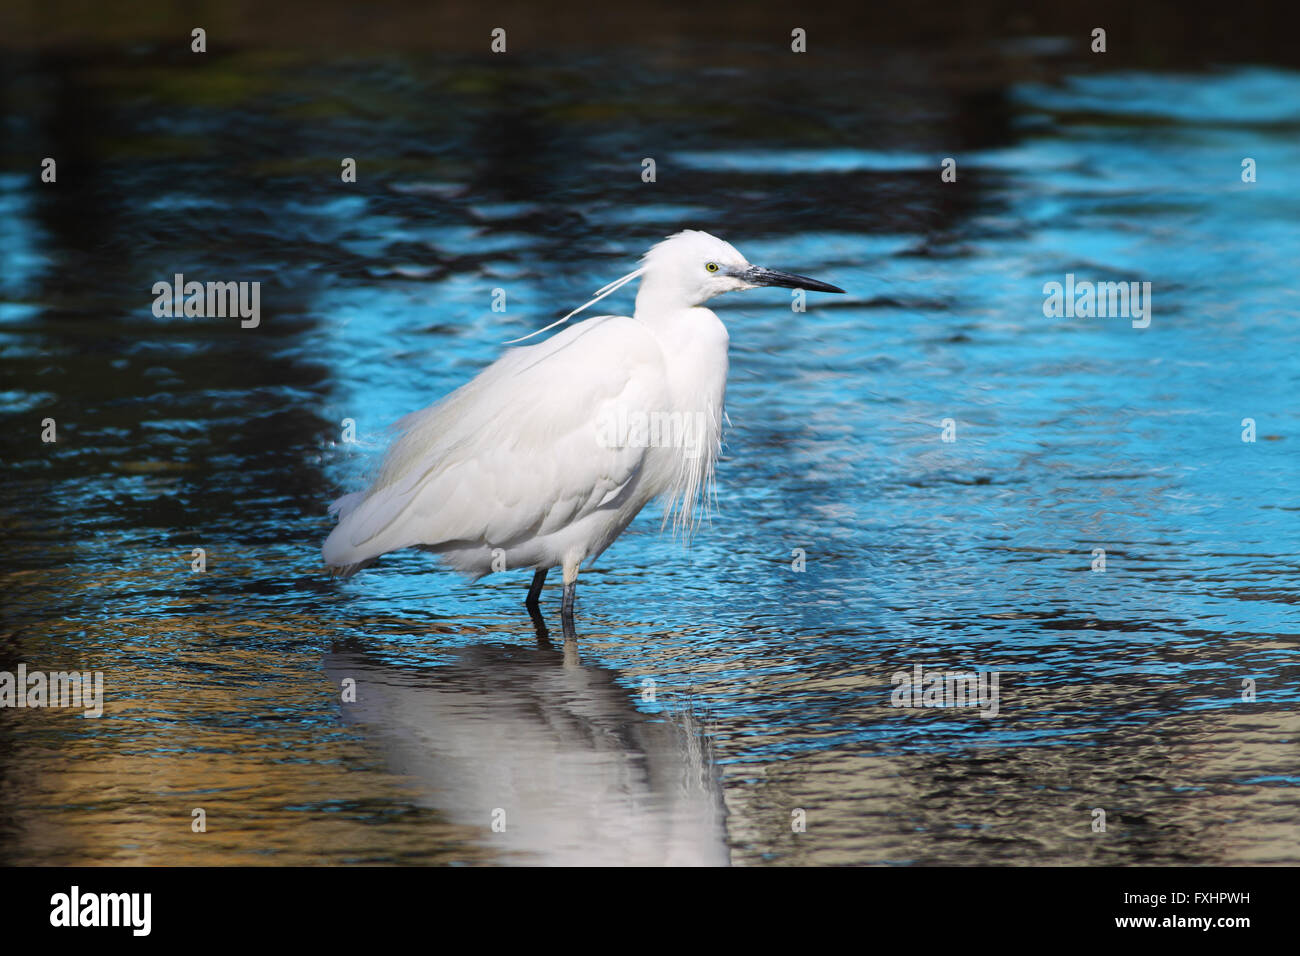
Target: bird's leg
[(566, 612), (539, 623), (534, 612), (535, 590), (566, 605)]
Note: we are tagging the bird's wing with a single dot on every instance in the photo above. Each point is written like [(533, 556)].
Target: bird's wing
[(514, 453)]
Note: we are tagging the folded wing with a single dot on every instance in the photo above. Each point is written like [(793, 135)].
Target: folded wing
[(517, 452)]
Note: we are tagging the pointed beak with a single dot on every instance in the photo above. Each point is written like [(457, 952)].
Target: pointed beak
[(757, 275)]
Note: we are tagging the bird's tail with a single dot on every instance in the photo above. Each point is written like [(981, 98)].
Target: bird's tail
[(337, 565), (347, 504), (347, 570)]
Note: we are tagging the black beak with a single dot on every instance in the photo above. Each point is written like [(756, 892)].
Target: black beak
[(786, 280)]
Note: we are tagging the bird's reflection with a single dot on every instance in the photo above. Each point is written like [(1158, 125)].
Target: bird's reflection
[(548, 757)]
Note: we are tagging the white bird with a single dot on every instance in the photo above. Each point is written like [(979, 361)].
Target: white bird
[(549, 453)]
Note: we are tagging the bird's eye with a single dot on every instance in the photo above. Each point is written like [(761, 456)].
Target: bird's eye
[(711, 266)]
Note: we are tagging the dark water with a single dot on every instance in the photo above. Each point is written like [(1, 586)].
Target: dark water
[(1120, 690)]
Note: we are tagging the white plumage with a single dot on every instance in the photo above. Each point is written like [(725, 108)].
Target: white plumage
[(550, 452)]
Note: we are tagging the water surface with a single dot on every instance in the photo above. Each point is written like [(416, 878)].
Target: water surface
[(716, 693)]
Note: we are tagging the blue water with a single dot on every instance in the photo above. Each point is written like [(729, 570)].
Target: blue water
[(1120, 689)]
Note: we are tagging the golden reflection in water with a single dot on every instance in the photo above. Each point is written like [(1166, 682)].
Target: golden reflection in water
[(254, 732)]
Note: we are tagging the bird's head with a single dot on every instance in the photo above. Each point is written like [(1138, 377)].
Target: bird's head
[(691, 267)]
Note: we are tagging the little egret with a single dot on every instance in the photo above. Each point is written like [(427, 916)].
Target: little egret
[(549, 453)]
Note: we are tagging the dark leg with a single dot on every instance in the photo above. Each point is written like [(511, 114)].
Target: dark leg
[(539, 625), (566, 610), (535, 591)]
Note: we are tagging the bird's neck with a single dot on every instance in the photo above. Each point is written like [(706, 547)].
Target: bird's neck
[(657, 296), (691, 336), (695, 342), (675, 326)]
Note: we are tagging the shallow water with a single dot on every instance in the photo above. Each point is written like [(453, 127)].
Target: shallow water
[(715, 693)]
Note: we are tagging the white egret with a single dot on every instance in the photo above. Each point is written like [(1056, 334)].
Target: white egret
[(549, 453)]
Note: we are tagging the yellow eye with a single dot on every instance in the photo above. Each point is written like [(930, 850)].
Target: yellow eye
[(711, 266)]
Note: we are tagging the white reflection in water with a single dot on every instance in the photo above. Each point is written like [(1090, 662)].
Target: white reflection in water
[(583, 777)]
